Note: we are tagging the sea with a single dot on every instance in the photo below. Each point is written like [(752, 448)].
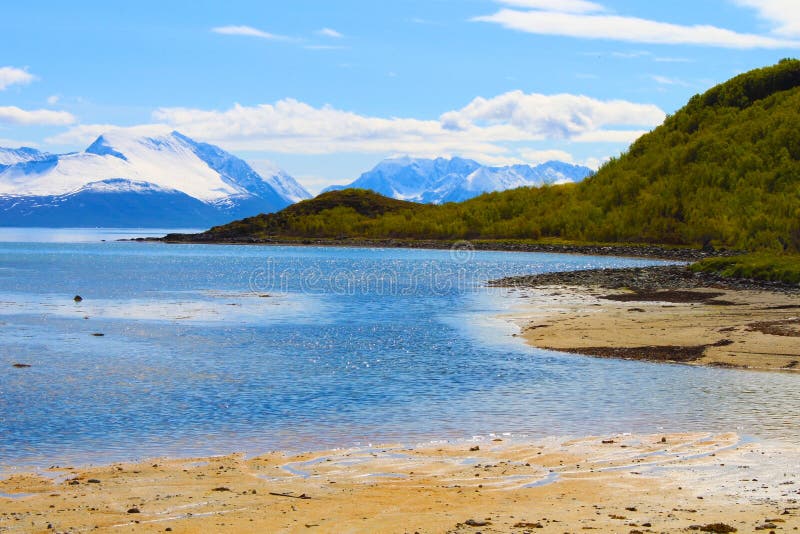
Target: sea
[(195, 350)]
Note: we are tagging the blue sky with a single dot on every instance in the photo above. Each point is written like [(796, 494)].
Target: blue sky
[(325, 89)]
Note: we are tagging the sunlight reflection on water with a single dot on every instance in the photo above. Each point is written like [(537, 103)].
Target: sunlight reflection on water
[(194, 361)]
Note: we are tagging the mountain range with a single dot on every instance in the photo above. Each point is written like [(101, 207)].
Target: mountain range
[(440, 180), (126, 180), (722, 172)]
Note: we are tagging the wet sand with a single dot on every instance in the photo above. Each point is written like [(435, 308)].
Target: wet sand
[(622, 483), (753, 329)]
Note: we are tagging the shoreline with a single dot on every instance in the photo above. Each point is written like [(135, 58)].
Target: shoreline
[(621, 250), (661, 314), (621, 482)]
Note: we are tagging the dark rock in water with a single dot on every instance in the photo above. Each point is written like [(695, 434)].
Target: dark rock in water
[(98, 334), (77, 298), (475, 448), (221, 488), (93, 481), (476, 523), (133, 511), (20, 365)]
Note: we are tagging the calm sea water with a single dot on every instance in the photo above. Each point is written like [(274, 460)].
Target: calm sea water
[(214, 349)]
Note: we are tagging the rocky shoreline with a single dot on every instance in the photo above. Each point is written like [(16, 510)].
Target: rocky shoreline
[(644, 279), (661, 314), (627, 250)]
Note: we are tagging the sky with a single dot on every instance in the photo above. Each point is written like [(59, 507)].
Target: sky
[(326, 89)]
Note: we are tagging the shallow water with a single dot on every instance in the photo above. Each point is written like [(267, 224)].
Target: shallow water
[(214, 349)]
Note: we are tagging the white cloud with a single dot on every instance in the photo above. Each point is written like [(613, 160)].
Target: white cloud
[(609, 136), (563, 6), (552, 116), (535, 157), (630, 29), (53, 99), (249, 31), (543, 156), (486, 129), (83, 134), (480, 127), (12, 75), (595, 163), (40, 117), (328, 32), (783, 14)]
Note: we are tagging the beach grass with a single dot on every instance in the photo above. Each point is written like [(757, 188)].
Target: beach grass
[(758, 266)]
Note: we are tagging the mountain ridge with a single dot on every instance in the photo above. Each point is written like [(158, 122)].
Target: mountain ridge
[(441, 180), (181, 178), (722, 172)]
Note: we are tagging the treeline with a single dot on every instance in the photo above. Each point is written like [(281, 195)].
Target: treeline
[(723, 171)]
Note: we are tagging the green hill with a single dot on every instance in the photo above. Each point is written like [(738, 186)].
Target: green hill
[(722, 171), (348, 212)]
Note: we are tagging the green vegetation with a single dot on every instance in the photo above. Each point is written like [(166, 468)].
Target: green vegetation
[(785, 268), (347, 213), (724, 171)]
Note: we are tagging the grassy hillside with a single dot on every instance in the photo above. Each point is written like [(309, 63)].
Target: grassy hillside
[(349, 212), (722, 171)]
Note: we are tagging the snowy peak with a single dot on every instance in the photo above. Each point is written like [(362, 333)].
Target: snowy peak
[(102, 147), (456, 179), (11, 156), (197, 178), (121, 185)]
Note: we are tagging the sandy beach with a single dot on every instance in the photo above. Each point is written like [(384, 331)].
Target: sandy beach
[(757, 330), (666, 482), (684, 321), (616, 483)]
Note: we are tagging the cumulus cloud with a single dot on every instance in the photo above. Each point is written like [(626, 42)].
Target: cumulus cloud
[(249, 31), (486, 129), (553, 116), (782, 14), (543, 156), (12, 75), (609, 136), (38, 117), (481, 126), (631, 29)]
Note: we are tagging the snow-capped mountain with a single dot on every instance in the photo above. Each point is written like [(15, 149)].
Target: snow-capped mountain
[(10, 156), (127, 180), (453, 180)]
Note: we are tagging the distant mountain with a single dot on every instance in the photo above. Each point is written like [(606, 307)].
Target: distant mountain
[(10, 156), (126, 180), (440, 180), (721, 172)]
